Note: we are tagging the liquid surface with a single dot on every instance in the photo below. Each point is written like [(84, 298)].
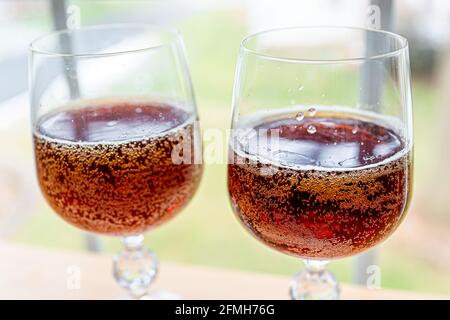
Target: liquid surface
[(112, 122), (119, 177), (322, 142), (341, 186)]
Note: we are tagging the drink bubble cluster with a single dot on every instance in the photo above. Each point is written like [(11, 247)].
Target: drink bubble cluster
[(333, 193), (108, 169)]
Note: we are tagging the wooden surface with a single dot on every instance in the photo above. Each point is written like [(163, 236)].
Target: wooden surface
[(36, 273)]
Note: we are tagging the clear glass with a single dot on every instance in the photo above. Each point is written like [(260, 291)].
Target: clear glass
[(116, 135), (320, 156)]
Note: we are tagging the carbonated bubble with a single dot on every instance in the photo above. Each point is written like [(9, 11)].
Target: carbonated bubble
[(299, 116), (312, 111), (311, 129)]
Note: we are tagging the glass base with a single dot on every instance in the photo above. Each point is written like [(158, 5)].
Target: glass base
[(314, 283), (135, 268), (152, 295)]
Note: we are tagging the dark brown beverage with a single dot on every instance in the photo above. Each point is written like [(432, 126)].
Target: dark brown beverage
[(109, 167), (333, 185)]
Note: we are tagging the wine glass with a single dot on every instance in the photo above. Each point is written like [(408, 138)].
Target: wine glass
[(320, 157), (115, 134)]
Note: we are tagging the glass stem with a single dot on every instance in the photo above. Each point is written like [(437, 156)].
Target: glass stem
[(315, 282), (135, 267), (133, 242), (315, 265)]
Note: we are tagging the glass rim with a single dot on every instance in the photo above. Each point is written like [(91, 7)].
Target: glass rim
[(401, 39), (175, 35)]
